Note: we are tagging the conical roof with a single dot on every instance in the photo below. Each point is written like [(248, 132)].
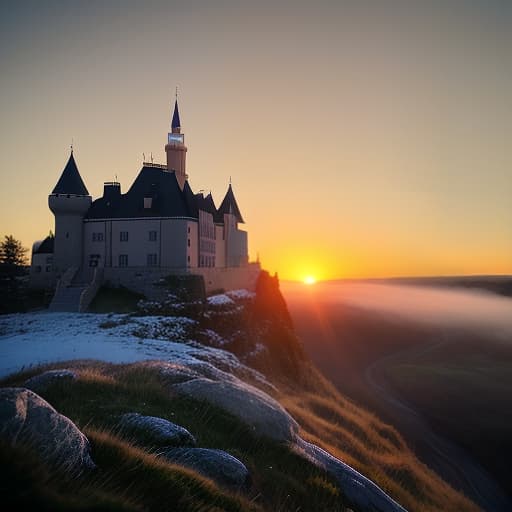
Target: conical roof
[(175, 123), (70, 181), (229, 205)]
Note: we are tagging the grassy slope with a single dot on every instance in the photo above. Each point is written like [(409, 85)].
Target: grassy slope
[(374, 448), (282, 481), (131, 477)]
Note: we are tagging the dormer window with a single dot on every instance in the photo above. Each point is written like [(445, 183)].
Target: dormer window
[(148, 202)]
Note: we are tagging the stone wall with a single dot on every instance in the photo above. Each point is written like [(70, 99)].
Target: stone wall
[(151, 282)]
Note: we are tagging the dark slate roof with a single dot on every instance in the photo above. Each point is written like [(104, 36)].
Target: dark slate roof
[(70, 181), (190, 200), (46, 246), (154, 182), (206, 203), (175, 124), (229, 205)]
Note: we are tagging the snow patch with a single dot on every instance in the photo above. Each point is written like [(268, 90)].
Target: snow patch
[(220, 300)]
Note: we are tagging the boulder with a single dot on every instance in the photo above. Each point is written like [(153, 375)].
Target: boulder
[(157, 431), (359, 490), (27, 419), (224, 469), (43, 380), (264, 415)]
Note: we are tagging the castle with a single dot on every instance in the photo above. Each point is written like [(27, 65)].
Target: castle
[(159, 227)]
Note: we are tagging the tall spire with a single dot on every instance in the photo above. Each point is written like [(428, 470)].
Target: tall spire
[(175, 123), (175, 147)]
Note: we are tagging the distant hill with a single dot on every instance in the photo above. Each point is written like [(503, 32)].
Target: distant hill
[(500, 285)]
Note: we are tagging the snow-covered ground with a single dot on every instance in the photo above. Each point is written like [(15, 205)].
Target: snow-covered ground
[(31, 339)]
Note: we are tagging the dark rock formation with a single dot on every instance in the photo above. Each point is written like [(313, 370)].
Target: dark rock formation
[(220, 466), (28, 420), (358, 489), (258, 410), (156, 431), (43, 380)]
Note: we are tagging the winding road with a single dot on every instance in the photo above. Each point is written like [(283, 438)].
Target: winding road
[(450, 461)]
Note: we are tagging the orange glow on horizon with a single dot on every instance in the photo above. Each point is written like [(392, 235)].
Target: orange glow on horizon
[(309, 280)]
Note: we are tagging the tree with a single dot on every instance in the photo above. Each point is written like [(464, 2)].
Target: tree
[(12, 252)]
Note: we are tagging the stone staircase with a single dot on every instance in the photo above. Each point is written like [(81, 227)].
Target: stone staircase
[(67, 298), (73, 294)]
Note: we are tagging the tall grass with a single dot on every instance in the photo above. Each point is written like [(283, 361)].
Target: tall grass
[(129, 472), (375, 449)]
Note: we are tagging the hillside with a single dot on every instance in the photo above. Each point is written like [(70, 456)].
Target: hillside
[(231, 373)]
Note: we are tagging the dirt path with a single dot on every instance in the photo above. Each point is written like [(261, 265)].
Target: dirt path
[(446, 458)]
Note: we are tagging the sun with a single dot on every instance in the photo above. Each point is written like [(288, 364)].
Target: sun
[(309, 280)]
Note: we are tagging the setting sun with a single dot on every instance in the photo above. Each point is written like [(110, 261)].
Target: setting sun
[(309, 280)]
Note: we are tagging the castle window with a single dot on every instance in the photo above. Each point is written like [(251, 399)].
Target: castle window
[(188, 242), (93, 260), (152, 260), (97, 237), (148, 202), (48, 268), (188, 259), (123, 260), (152, 236), (123, 236), (189, 229)]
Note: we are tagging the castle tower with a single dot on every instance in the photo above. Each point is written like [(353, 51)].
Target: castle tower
[(176, 149), (69, 202)]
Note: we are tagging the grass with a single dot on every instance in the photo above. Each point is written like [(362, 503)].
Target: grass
[(131, 476), (115, 300), (375, 449), (129, 473)]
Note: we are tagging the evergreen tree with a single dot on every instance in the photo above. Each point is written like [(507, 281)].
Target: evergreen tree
[(12, 252)]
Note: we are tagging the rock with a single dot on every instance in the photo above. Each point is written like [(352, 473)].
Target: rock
[(220, 466), (157, 431), (27, 419), (359, 490), (257, 409), (171, 372), (43, 380)]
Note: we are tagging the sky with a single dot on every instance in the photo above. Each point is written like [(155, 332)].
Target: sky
[(362, 138)]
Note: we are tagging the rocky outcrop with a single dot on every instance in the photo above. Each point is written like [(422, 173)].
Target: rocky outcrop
[(358, 489), (264, 415), (43, 380), (156, 431), (224, 469), (28, 420)]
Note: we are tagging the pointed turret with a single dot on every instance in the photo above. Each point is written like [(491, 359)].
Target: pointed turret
[(176, 149), (69, 202), (175, 123), (229, 206), (70, 181)]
